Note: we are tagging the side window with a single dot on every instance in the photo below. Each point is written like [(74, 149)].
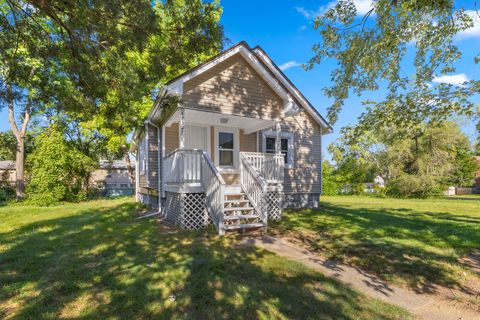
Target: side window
[(142, 155), (286, 146)]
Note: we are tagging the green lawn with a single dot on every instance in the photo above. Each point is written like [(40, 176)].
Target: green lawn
[(94, 260), (409, 242)]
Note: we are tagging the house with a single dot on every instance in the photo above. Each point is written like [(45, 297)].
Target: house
[(112, 178), (230, 142), (7, 172)]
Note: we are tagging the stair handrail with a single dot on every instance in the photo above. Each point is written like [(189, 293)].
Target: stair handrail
[(214, 186), (255, 188)]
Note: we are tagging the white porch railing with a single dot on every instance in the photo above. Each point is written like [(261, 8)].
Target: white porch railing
[(270, 166), (183, 166), (187, 166), (255, 188), (214, 186)]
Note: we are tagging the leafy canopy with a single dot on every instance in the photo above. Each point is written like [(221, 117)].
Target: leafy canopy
[(376, 49)]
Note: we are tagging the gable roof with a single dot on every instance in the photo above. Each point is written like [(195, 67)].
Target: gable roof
[(266, 68)]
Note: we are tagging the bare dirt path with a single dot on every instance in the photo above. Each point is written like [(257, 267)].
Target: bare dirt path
[(425, 305)]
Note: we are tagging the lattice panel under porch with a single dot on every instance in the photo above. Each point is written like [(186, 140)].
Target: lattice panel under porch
[(186, 210), (274, 205)]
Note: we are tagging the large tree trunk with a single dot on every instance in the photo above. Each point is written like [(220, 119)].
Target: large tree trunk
[(19, 167), (20, 137)]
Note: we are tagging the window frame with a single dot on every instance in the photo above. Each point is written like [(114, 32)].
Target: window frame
[(283, 135), (236, 148), (142, 156)]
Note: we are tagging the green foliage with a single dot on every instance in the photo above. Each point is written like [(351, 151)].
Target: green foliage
[(414, 186), (57, 171), (8, 145), (371, 51), (413, 163), (329, 183)]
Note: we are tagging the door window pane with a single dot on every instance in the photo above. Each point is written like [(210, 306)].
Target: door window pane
[(225, 140), (226, 158), (270, 145)]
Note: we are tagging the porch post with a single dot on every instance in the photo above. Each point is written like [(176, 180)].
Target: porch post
[(278, 144), (182, 128)]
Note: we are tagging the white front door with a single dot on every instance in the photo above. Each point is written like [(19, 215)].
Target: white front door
[(197, 137)]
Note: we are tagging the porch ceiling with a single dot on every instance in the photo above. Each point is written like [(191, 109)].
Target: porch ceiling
[(248, 125)]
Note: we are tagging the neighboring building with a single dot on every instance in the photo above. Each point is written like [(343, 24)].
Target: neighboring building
[(241, 144), (112, 178), (7, 172)]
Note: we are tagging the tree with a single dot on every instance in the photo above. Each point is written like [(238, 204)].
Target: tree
[(418, 162), (57, 171), (100, 62), (372, 49), (329, 183)]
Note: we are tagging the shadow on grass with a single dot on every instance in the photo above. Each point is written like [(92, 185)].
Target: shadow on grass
[(417, 248), (103, 263)]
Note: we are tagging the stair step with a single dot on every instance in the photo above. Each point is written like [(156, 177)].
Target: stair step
[(237, 201), (235, 194), (240, 216), (243, 226), (238, 209)]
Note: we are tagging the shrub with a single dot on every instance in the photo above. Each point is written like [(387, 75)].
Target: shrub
[(6, 193), (414, 186), (329, 187), (56, 170)]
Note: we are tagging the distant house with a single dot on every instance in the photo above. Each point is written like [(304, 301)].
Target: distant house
[(7, 172), (112, 178)]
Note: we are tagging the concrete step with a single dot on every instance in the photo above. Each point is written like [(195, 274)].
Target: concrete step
[(240, 216), (243, 226)]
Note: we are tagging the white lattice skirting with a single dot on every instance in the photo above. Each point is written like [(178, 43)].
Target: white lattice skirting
[(186, 210), (274, 205)]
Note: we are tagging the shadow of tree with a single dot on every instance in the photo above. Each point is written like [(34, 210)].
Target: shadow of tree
[(102, 263), (420, 249)]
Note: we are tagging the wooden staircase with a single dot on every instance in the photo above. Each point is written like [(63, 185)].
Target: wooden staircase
[(239, 214)]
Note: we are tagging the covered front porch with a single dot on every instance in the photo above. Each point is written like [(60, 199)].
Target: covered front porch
[(214, 170)]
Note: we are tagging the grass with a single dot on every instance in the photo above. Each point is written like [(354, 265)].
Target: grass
[(416, 243), (94, 260)]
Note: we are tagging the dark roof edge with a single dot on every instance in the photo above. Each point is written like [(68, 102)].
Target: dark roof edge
[(291, 83)]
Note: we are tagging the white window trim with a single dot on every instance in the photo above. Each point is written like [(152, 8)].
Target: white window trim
[(284, 135), (143, 156), (193, 124), (236, 149)]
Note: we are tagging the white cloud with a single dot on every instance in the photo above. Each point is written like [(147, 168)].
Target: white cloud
[(455, 79), (363, 7), (304, 27), (473, 31), (289, 64)]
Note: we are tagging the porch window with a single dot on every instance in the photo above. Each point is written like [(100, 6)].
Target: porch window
[(270, 147), (286, 145), (226, 148)]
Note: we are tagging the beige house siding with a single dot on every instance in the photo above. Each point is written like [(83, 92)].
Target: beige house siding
[(152, 169), (233, 87), (171, 138), (248, 142)]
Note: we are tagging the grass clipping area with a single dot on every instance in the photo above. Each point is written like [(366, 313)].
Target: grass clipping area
[(94, 260), (415, 243)]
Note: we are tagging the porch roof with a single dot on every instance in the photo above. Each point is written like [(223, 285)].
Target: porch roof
[(247, 124)]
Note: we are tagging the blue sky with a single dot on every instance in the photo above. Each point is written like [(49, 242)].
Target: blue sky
[(283, 29)]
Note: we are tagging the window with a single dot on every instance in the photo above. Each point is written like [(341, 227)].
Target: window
[(226, 149), (225, 146), (286, 145), (123, 185), (142, 155)]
